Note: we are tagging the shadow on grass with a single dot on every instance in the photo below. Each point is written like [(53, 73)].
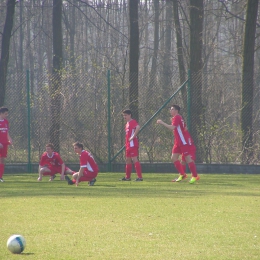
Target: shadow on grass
[(155, 186)]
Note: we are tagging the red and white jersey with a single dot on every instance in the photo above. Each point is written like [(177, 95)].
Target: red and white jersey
[(50, 161), (4, 128), (181, 134), (130, 128), (87, 161)]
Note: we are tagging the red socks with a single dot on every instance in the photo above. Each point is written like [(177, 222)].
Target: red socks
[(193, 169), (2, 167), (128, 171), (179, 167), (138, 170), (184, 167)]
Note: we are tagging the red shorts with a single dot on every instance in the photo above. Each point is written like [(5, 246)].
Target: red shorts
[(192, 153), (88, 175), (3, 151), (184, 150), (132, 152), (54, 170)]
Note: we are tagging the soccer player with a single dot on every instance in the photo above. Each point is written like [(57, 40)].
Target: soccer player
[(131, 147), (88, 170), (5, 139), (51, 163), (183, 144)]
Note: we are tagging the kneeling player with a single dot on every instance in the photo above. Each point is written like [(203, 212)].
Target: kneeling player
[(51, 163), (88, 167)]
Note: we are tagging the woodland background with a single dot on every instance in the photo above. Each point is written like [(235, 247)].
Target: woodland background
[(59, 58)]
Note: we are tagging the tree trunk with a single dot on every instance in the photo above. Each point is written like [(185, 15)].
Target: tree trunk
[(182, 72), (5, 48), (133, 57), (152, 76), (196, 29), (248, 81), (167, 61), (56, 75), (21, 31)]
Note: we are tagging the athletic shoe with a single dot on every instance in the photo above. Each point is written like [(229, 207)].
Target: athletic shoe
[(1, 180), (139, 179), (70, 182), (52, 177), (194, 179), (39, 179), (125, 179), (92, 182), (180, 178)]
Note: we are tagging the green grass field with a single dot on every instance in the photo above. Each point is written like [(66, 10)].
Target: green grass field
[(216, 218)]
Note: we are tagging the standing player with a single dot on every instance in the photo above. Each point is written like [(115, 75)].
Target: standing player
[(182, 145), (5, 139), (88, 167), (132, 145), (51, 163)]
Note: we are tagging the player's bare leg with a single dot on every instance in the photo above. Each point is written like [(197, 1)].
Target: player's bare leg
[(42, 171), (67, 172)]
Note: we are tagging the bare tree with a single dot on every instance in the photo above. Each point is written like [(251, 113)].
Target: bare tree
[(6, 36), (133, 57), (178, 32), (152, 76), (196, 29), (55, 90), (248, 81), (167, 59)]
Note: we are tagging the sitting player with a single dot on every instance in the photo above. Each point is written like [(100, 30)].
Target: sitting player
[(51, 163), (88, 170)]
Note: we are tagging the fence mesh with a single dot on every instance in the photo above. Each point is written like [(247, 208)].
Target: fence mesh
[(84, 116)]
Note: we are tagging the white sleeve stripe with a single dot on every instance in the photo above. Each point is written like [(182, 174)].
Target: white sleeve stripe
[(88, 166), (181, 135)]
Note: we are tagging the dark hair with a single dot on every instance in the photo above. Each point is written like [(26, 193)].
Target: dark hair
[(3, 110), (176, 107), (127, 111), (50, 145), (79, 145)]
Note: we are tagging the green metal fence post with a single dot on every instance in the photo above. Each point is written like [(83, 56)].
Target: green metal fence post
[(29, 165), (108, 123), (188, 100)]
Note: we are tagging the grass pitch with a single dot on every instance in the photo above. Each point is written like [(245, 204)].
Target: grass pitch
[(216, 218)]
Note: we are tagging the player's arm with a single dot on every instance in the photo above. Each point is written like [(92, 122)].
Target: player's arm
[(80, 173), (137, 129), (62, 172), (9, 139), (170, 127)]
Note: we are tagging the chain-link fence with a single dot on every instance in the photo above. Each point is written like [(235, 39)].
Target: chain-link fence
[(84, 116)]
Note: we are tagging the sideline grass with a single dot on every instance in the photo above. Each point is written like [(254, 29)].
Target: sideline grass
[(217, 218)]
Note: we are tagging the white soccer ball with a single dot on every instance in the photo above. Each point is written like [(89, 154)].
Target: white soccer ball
[(16, 244)]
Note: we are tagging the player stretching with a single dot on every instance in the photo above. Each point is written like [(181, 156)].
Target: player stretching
[(131, 145), (182, 144), (5, 139), (88, 167), (51, 163)]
